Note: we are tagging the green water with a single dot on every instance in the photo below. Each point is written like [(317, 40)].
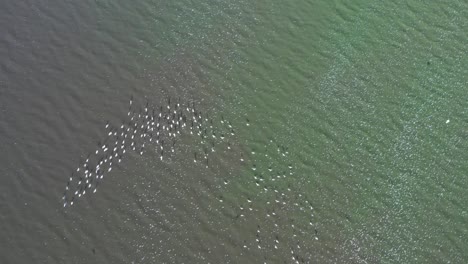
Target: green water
[(363, 91), (368, 97)]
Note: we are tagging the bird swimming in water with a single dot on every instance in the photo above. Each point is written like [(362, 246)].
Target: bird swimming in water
[(145, 131)]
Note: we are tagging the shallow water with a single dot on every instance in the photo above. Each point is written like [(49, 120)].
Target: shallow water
[(367, 98)]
